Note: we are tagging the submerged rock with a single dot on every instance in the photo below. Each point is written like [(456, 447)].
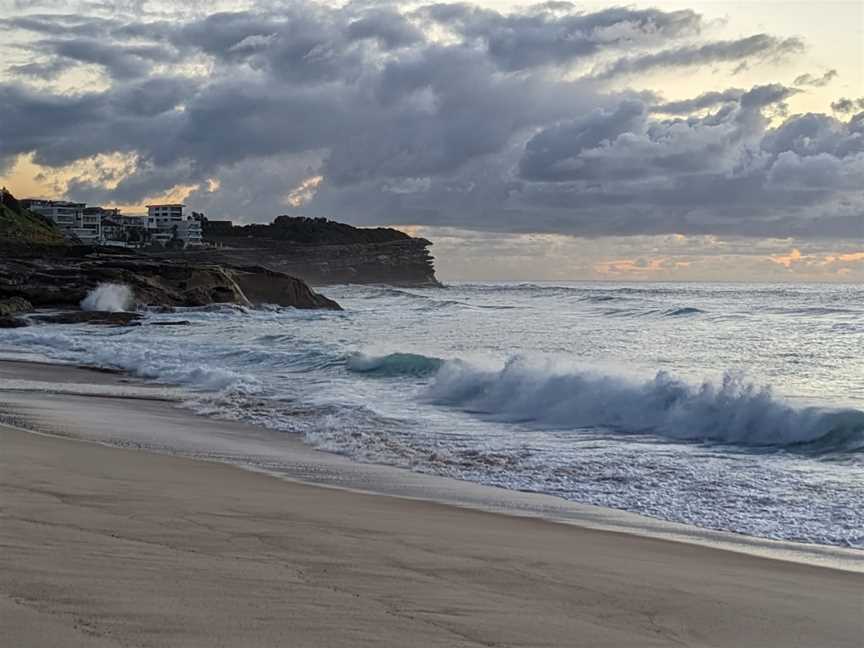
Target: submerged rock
[(14, 305), (90, 317), (7, 321), (264, 286)]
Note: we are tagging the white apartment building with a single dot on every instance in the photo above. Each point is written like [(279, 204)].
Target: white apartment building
[(121, 230), (71, 217), (89, 229), (64, 214), (164, 217), (189, 231), (106, 226), (167, 223)]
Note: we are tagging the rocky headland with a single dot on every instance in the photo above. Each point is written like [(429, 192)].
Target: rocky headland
[(321, 251), (243, 265)]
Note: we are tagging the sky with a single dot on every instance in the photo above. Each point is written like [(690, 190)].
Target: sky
[(557, 141)]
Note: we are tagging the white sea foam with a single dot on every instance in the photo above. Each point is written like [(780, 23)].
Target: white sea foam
[(732, 411), (108, 297)]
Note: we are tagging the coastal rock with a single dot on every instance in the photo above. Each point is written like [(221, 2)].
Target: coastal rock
[(64, 278), (264, 286), (7, 321), (14, 305)]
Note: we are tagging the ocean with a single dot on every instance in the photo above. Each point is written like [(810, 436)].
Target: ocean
[(730, 407)]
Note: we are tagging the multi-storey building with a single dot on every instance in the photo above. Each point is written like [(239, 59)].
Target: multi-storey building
[(163, 224), (121, 230), (167, 223), (66, 215)]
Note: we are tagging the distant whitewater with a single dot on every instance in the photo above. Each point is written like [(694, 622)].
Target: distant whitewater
[(730, 407)]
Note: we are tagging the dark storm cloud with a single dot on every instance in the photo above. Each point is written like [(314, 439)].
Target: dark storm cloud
[(617, 171), (388, 27), (815, 81), (119, 61), (844, 105), (59, 25), (760, 46), (552, 154), (488, 127), (758, 96), (703, 101), (45, 70), (545, 37), (625, 144)]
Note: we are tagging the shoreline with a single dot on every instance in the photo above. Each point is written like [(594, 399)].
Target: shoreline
[(108, 547), (319, 468)]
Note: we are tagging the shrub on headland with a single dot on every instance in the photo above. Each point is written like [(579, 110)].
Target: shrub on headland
[(21, 226)]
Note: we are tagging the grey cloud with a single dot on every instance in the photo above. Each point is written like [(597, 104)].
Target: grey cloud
[(45, 124), (45, 69), (820, 171), (757, 96), (60, 25), (545, 37), (756, 46), (122, 62), (814, 133), (152, 97), (845, 105), (439, 109), (553, 153), (727, 175), (388, 27), (299, 45), (815, 81), (765, 95), (703, 101)]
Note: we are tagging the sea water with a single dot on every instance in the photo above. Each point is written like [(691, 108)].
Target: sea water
[(726, 406)]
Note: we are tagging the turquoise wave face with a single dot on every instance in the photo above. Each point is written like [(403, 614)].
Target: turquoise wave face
[(394, 364)]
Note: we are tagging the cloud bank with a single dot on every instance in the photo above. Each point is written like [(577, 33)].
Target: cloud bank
[(445, 115)]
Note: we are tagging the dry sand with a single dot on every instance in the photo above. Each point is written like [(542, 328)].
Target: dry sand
[(103, 546)]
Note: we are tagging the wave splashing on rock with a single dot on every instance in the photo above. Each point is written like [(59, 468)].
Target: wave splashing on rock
[(110, 297)]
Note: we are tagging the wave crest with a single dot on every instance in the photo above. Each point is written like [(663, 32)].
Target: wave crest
[(733, 411)]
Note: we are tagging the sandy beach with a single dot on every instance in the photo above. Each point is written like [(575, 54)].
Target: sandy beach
[(106, 546)]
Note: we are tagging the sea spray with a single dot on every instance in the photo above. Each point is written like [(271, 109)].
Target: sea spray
[(108, 297)]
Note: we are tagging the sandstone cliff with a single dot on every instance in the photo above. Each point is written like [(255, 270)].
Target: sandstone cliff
[(323, 252)]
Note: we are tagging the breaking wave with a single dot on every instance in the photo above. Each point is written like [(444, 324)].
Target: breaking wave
[(734, 411), (678, 312)]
